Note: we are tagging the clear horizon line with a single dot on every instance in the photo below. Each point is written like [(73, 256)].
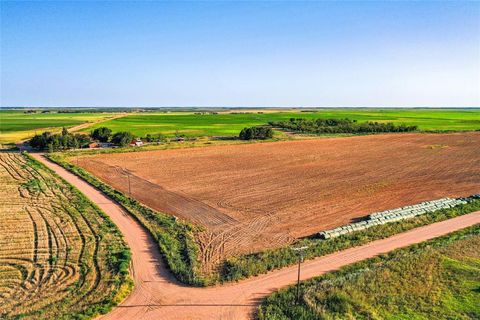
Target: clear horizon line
[(244, 107)]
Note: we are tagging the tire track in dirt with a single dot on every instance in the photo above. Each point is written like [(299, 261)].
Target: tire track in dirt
[(157, 295), (305, 186)]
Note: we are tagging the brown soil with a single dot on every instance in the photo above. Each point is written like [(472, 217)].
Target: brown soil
[(255, 196), (157, 295)]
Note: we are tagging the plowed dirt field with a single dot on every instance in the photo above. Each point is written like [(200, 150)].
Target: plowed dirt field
[(255, 196)]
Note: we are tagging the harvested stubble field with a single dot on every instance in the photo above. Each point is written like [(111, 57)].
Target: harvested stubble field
[(59, 256), (256, 196)]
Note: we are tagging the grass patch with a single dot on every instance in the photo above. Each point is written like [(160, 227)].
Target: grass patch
[(437, 279)]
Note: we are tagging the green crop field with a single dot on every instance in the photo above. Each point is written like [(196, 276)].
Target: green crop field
[(439, 279), (228, 124), (17, 125)]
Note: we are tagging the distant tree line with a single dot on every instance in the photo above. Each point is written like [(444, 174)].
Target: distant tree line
[(60, 141), (256, 133), (339, 126)]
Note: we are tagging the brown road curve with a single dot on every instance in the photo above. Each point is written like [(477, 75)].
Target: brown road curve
[(157, 295)]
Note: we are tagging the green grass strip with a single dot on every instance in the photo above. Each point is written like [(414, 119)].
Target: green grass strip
[(436, 279)]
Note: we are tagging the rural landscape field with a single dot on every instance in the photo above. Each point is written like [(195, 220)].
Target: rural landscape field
[(229, 123), (239, 160), (256, 196), (19, 125), (222, 210)]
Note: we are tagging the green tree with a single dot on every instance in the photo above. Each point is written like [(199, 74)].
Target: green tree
[(63, 141), (102, 134), (122, 138)]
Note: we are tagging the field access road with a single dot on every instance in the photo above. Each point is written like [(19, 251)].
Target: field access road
[(157, 295)]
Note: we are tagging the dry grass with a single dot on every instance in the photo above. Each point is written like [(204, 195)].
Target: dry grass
[(438, 279), (59, 255)]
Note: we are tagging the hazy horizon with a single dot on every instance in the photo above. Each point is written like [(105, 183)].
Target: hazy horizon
[(240, 54)]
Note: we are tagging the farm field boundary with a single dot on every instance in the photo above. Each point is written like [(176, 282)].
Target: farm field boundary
[(178, 234)]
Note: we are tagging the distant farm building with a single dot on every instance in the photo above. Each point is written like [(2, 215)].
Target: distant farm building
[(136, 143)]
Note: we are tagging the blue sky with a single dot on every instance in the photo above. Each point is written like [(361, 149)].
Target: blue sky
[(125, 54)]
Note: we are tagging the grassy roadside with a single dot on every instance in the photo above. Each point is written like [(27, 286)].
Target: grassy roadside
[(177, 243), (114, 252), (436, 279), (175, 238), (257, 263)]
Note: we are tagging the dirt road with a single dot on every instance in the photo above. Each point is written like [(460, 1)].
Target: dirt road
[(157, 295), (85, 125)]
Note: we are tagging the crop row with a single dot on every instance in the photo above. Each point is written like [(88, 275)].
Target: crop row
[(60, 256)]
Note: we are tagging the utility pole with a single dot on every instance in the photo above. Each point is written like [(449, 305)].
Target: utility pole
[(300, 251), (127, 173), (129, 188)]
